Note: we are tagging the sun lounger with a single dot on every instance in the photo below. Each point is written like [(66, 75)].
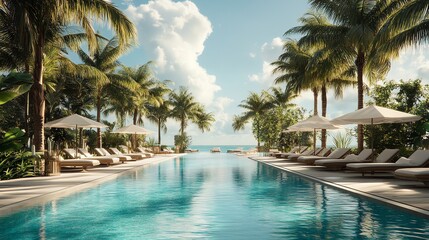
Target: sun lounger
[(294, 150), (145, 151), (83, 163), (365, 156), (337, 153), (414, 174), (308, 152), (86, 155), (105, 153), (320, 152), (167, 150), (135, 156), (337, 164), (419, 158)]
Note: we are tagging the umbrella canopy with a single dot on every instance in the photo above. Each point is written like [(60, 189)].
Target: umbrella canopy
[(311, 124), (133, 129), (74, 121), (375, 115)]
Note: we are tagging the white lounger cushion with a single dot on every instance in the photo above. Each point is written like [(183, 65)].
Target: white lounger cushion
[(413, 172)]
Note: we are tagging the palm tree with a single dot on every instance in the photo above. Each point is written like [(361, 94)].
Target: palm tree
[(293, 65), (185, 108), (255, 106), (351, 39), (203, 119), (102, 62), (38, 23), (159, 115), (281, 98), (146, 90), (407, 27)]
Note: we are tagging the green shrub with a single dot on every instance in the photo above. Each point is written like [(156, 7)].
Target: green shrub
[(15, 160)]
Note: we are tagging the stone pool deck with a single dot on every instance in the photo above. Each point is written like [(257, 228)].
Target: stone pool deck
[(413, 196), (20, 193)]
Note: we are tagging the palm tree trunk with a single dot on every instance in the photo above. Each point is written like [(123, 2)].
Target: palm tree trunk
[(159, 131), (315, 94), (99, 119), (258, 134), (38, 96), (182, 126), (324, 108), (360, 63), (134, 137), (27, 106)]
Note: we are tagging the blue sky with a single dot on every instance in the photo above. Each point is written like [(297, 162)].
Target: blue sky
[(221, 50)]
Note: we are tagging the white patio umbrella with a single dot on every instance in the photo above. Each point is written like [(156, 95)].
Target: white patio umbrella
[(311, 124), (375, 115), (74, 121), (133, 129)]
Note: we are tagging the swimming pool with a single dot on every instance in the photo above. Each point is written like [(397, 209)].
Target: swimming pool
[(216, 196)]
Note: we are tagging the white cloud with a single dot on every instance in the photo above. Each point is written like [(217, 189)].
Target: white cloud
[(173, 35), (269, 53), (252, 55), (412, 63), (254, 78)]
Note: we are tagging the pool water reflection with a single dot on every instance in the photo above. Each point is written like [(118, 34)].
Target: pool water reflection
[(216, 196)]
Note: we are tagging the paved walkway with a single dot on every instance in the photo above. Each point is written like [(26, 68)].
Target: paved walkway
[(410, 195), (18, 193)]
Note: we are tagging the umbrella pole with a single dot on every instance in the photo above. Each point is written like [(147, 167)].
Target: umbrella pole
[(76, 139), (372, 139), (314, 141)]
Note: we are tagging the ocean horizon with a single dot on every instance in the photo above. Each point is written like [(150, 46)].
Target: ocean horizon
[(223, 148)]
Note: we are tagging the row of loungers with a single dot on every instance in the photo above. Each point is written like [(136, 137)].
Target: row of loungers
[(411, 168), (84, 159)]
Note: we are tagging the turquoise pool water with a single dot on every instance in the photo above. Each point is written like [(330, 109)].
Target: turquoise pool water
[(212, 196)]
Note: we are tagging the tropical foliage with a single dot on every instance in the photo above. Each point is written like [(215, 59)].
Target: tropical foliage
[(408, 96), (41, 83), (15, 161), (342, 43), (184, 108), (270, 113)]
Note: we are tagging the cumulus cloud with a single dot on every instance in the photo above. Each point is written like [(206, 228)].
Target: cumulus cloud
[(269, 53), (173, 35), (412, 63)]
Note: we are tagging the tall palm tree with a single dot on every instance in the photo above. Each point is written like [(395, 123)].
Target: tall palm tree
[(255, 105), (203, 119), (103, 61), (146, 90), (408, 26), (351, 39), (159, 115), (292, 64), (185, 109), (282, 98), (38, 23)]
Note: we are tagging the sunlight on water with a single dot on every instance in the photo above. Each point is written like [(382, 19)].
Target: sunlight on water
[(216, 196)]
